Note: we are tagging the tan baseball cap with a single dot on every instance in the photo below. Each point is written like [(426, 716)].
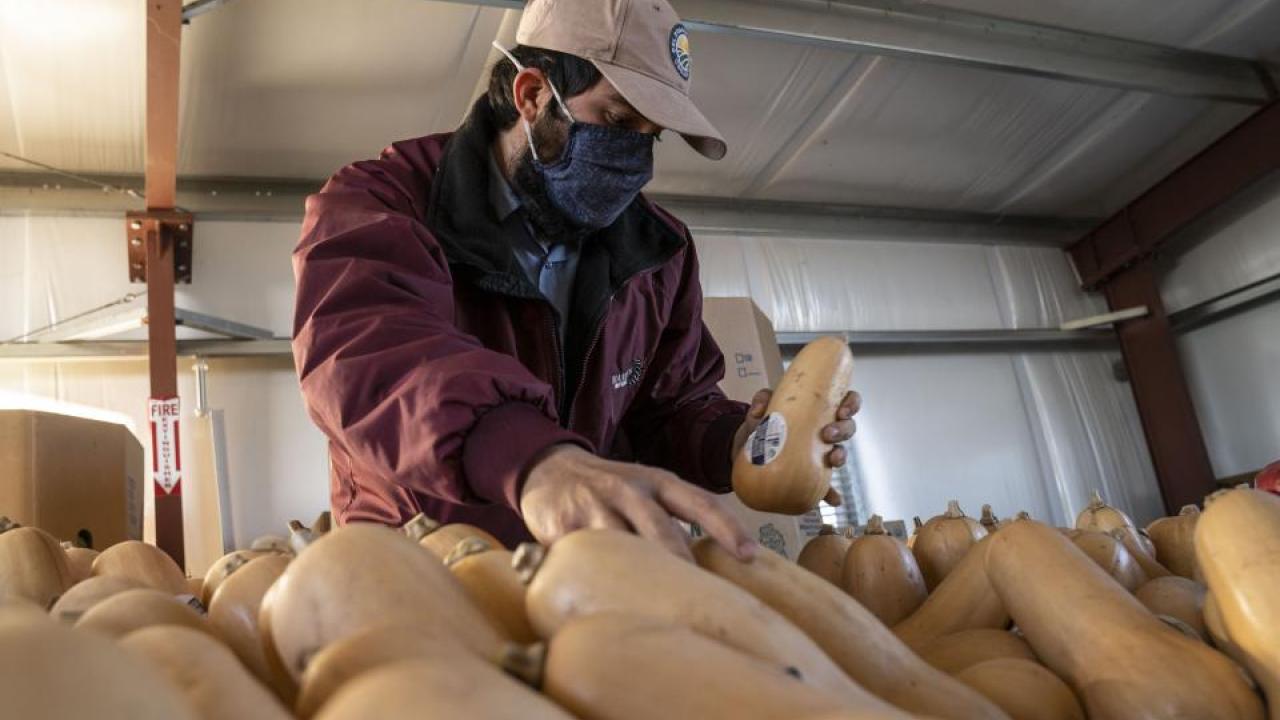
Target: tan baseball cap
[(640, 46)]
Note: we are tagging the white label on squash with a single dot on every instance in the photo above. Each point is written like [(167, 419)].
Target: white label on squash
[(767, 440)]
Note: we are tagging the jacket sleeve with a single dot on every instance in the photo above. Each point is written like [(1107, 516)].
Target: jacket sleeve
[(385, 372), (680, 420)]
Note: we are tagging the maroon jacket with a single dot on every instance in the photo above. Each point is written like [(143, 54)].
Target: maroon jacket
[(433, 364)]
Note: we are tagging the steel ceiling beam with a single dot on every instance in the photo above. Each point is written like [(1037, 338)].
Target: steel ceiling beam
[(916, 30), (1247, 154), (282, 199)]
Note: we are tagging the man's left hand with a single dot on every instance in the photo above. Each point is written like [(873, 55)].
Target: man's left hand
[(835, 433)]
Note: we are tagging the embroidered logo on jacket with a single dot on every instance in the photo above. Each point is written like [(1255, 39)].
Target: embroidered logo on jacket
[(630, 376)]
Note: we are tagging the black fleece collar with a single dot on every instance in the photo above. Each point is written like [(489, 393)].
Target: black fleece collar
[(473, 238)]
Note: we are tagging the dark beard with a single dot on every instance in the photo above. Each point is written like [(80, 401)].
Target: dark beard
[(549, 224)]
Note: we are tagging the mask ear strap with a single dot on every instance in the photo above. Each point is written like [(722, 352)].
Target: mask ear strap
[(519, 67)]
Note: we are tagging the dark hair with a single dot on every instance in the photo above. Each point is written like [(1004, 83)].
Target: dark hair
[(569, 73)]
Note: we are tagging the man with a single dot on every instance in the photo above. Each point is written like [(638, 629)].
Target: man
[(484, 316)]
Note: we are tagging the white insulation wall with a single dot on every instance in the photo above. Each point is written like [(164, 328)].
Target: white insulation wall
[(1233, 366), (1034, 431)]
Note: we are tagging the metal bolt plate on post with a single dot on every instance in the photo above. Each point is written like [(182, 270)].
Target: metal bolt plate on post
[(175, 227)]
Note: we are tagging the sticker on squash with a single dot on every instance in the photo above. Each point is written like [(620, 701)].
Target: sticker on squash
[(767, 440)]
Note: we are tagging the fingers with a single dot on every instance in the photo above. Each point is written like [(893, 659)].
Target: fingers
[(759, 403), (849, 406), (833, 498), (693, 504), (650, 521), (836, 458), (839, 431)]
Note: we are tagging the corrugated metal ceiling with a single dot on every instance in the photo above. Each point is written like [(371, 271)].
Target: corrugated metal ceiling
[(297, 88)]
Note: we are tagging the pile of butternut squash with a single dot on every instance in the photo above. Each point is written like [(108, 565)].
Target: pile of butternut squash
[(977, 619)]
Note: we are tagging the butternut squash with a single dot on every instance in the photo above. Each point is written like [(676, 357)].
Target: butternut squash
[(440, 540), (439, 687), (1237, 543), (147, 564), (279, 678), (1145, 558), (859, 643), (824, 554), (964, 601), (79, 561), (14, 607), (943, 543), (782, 468), (597, 570), (359, 575), (52, 672), (354, 655), (1174, 538), (206, 672), (33, 566), (221, 568), (593, 663), (84, 595), (1100, 516), (989, 519), (486, 574), (233, 617), (1176, 597), (1121, 661), (916, 525), (957, 651), (1110, 555), (1216, 627), (1024, 689), (881, 573), (130, 610), (195, 588), (1021, 515), (272, 543)]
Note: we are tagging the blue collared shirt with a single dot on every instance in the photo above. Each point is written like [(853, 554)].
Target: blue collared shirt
[(551, 267)]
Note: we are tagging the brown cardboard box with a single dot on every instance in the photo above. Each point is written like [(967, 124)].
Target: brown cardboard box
[(68, 474), (752, 362)]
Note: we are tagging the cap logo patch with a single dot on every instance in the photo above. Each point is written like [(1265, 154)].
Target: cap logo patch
[(680, 50)]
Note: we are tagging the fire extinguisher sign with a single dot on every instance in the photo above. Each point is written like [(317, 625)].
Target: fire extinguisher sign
[(166, 459)]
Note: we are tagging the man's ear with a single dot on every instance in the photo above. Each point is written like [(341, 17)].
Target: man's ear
[(529, 91)]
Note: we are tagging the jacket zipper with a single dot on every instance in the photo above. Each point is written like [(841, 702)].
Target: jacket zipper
[(586, 359), (595, 340), (555, 342)]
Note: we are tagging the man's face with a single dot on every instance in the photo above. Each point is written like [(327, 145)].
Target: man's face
[(599, 105)]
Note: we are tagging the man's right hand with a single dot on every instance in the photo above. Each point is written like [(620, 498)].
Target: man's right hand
[(569, 489)]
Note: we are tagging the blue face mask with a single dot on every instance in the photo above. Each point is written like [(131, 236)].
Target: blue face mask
[(599, 172)]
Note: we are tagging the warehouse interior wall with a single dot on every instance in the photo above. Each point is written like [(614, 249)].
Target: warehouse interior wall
[(1035, 431), (1232, 364)]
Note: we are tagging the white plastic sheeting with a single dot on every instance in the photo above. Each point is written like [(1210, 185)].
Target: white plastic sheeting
[(1231, 365), (53, 267), (1035, 431), (1233, 249), (1231, 368), (1085, 422)]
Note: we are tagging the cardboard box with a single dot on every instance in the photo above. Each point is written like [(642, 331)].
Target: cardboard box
[(753, 362), (75, 478)]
